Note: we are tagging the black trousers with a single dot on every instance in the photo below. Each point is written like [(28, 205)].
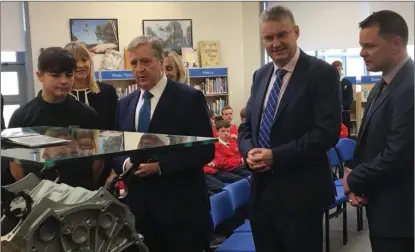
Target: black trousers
[(242, 171), (278, 230), (383, 244), (213, 184), (183, 236), (227, 177)]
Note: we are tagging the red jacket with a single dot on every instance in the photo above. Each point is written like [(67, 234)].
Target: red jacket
[(227, 158), (344, 132)]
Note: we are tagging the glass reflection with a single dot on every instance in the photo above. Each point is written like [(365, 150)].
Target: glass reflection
[(91, 143)]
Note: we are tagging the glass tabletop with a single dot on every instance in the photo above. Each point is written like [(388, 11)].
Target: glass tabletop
[(84, 143)]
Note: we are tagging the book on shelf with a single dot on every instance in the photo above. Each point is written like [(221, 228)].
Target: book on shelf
[(215, 86), (209, 51), (217, 106)]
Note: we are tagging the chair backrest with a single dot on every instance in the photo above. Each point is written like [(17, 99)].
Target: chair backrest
[(345, 149), (333, 158), (221, 208), (239, 192)]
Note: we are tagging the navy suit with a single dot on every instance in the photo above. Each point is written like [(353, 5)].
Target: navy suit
[(172, 209), (287, 203)]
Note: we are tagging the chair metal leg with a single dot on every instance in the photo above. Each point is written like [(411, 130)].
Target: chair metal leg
[(327, 231), (345, 236), (359, 218)]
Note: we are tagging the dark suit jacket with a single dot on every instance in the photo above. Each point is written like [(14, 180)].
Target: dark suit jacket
[(384, 158), (307, 124), (179, 193)]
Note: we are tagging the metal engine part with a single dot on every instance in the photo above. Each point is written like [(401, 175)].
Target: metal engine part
[(70, 219)]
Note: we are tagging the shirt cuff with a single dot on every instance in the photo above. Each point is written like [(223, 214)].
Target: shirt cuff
[(123, 164)]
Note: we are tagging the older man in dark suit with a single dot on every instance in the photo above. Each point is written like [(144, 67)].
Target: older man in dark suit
[(293, 117), (383, 172), (168, 196)]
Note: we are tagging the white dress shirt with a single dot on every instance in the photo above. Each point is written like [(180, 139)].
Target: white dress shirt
[(156, 91), (290, 69)]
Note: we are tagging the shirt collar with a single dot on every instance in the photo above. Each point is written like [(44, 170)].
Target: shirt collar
[(293, 62), (223, 142), (158, 89), (388, 77)]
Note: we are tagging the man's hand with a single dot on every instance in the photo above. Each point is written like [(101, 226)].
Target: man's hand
[(354, 200), (345, 185), (357, 201), (259, 159), (145, 170)]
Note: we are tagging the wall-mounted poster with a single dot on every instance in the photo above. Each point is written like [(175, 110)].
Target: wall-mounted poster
[(98, 34), (175, 33)]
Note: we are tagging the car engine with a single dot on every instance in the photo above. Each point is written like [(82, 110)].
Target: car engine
[(44, 216)]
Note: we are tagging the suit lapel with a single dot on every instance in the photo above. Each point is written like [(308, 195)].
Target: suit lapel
[(163, 108), (389, 89), (297, 78), (130, 120), (263, 88)]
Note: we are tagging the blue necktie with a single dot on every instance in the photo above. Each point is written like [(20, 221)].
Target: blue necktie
[(145, 113), (270, 110)]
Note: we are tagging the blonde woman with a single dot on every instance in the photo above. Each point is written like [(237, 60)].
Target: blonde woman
[(101, 96), (174, 68)]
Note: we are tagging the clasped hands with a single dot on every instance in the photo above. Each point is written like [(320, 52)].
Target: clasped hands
[(259, 159), (354, 200)]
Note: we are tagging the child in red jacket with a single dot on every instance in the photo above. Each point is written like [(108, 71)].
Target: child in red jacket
[(344, 132), (227, 156)]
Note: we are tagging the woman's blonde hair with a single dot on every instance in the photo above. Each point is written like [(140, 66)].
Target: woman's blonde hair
[(81, 52), (178, 62)]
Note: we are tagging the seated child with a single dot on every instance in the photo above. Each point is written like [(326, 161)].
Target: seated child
[(227, 116), (344, 132), (242, 115), (212, 121), (227, 156)]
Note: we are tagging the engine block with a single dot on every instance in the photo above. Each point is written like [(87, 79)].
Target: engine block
[(69, 219)]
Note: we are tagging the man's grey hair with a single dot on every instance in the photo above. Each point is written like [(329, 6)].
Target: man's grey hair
[(276, 13), (154, 42)]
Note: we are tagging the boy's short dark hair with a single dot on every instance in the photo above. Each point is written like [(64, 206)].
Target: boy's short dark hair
[(242, 113), (222, 124), (56, 60), (211, 113)]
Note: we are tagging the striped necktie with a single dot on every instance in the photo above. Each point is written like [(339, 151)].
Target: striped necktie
[(270, 110)]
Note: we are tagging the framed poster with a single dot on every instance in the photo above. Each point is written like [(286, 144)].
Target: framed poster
[(175, 33)]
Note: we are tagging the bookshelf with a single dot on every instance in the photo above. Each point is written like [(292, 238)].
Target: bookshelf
[(213, 82), (361, 90), (122, 80)]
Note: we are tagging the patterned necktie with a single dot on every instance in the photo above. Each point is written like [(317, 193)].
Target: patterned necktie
[(270, 110), (145, 113)]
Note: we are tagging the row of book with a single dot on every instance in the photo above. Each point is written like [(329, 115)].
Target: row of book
[(217, 106), (215, 86)]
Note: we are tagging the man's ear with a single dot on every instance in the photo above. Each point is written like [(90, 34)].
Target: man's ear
[(40, 76)]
